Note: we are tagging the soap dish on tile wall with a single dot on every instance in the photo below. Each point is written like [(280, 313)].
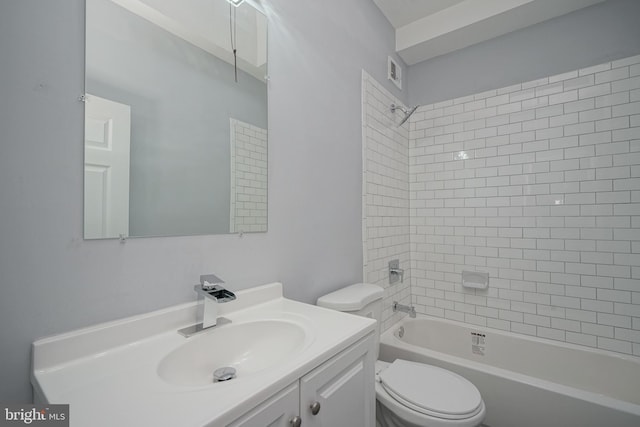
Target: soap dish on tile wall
[(475, 280)]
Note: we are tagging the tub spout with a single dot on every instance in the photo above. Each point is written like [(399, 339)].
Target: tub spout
[(404, 309)]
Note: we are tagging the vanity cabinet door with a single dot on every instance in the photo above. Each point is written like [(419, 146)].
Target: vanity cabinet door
[(340, 392), (277, 411)]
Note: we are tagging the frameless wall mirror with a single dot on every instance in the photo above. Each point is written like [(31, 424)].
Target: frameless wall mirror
[(175, 118)]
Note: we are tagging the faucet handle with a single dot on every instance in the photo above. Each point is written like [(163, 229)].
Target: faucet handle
[(209, 281)]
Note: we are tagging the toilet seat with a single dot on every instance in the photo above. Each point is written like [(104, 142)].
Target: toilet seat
[(429, 390)]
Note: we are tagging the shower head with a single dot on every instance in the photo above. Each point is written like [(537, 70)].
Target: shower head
[(407, 113)]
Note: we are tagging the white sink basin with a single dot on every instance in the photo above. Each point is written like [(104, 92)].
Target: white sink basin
[(248, 347)]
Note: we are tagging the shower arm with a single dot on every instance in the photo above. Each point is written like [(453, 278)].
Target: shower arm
[(395, 107), (407, 113)]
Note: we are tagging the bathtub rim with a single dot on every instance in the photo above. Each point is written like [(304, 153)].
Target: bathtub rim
[(390, 338)]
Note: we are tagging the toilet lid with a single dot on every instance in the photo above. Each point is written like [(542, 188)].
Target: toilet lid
[(431, 390)]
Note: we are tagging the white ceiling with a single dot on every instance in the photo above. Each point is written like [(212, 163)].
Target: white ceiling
[(429, 28), (403, 12)]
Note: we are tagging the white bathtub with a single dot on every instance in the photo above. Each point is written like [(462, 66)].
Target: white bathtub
[(525, 381)]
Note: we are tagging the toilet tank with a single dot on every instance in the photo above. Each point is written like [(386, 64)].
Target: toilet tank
[(361, 299)]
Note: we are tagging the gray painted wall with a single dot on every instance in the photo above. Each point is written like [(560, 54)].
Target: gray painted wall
[(52, 281), (594, 35), (181, 99)]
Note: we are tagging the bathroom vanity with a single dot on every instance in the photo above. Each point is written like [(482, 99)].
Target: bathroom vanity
[(296, 364)]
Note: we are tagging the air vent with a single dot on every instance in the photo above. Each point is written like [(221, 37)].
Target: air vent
[(394, 72)]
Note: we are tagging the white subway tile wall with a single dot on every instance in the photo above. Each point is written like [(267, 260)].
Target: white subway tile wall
[(248, 212), (385, 202), (537, 184)]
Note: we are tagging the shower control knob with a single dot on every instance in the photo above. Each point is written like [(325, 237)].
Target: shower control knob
[(295, 421), (315, 408)]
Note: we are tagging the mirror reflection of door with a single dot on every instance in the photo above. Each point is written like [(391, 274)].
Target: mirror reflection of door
[(173, 64), (106, 168)]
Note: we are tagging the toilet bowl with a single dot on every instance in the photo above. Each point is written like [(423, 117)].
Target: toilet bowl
[(410, 394)]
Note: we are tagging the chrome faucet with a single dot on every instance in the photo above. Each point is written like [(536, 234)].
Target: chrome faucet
[(404, 309), (213, 293)]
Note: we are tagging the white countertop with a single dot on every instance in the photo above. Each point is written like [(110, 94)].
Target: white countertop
[(108, 373)]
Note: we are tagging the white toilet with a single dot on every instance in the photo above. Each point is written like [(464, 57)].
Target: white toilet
[(410, 394)]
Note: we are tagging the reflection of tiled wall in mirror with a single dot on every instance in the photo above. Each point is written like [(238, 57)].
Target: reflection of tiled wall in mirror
[(248, 211)]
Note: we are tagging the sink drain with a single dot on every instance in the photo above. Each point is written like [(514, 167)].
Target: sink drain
[(224, 374)]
